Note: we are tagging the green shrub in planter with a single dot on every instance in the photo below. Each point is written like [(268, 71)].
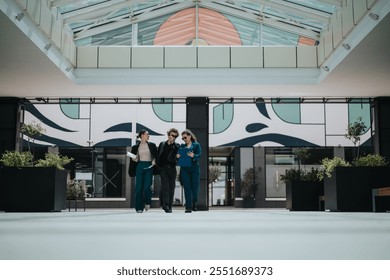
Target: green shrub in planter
[(53, 160), (25, 159), (293, 174), (17, 159), (328, 165), (76, 189), (370, 160)]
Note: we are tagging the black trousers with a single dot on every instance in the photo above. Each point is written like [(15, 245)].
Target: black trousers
[(168, 183)]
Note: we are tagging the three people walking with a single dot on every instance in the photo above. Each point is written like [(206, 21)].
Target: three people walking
[(145, 159)]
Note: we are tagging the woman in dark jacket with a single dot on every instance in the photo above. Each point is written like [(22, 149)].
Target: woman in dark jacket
[(141, 167)]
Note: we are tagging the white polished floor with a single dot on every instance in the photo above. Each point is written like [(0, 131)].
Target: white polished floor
[(216, 234)]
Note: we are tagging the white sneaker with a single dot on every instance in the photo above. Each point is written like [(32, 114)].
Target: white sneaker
[(147, 207)]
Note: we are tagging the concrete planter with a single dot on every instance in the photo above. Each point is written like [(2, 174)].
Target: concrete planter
[(350, 188), (304, 195), (34, 189), (244, 202)]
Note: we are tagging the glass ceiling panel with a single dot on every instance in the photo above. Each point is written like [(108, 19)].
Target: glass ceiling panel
[(289, 16), (78, 5)]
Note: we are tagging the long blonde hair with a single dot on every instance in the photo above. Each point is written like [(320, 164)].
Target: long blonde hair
[(189, 133)]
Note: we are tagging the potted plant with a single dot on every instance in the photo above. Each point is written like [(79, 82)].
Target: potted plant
[(76, 190), (348, 186), (30, 186), (354, 131), (303, 189), (247, 187)]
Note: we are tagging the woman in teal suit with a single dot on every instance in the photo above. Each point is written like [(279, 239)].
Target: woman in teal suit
[(141, 168), (191, 171)]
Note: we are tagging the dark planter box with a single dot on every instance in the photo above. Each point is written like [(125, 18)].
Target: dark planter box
[(244, 202), (350, 188), (304, 195), (1, 193), (34, 189)]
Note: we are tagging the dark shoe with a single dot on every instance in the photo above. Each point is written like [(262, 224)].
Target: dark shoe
[(195, 206), (188, 210), (167, 210)]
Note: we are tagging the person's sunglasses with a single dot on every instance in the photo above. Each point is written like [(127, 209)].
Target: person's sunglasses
[(173, 135), (184, 138)]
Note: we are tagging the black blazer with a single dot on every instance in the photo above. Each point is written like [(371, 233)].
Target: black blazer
[(134, 150), (161, 149)]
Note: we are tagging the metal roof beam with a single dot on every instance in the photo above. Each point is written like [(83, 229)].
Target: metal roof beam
[(273, 22), (101, 27), (94, 12), (338, 3)]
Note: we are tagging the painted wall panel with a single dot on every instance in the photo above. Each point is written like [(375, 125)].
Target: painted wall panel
[(67, 41), (359, 9), (337, 29), (306, 56), (22, 4), (45, 20), (87, 57), (312, 113), (370, 3), (73, 54), (56, 30), (179, 56), (34, 10), (336, 119), (280, 57), (147, 57), (240, 125), (251, 57), (213, 57), (320, 53), (118, 57), (347, 17), (328, 43)]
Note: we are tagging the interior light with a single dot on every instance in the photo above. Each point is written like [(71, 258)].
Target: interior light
[(19, 16), (373, 16)]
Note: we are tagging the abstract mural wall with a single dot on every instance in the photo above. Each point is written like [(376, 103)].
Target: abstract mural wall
[(281, 123)]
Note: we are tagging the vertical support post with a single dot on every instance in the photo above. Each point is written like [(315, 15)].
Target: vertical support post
[(198, 123)]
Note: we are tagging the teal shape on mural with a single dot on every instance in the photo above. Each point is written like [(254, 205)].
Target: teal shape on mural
[(70, 107), (163, 108), (222, 117), (287, 109)]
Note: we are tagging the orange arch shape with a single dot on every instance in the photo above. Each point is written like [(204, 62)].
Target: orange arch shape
[(213, 29)]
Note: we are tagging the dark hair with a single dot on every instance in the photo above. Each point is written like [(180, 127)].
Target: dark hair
[(189, 133), (174, 130), (141, 132)]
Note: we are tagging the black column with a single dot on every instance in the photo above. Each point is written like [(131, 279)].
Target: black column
[(198, 123), (8, 123), (9, 108), (382, 127)]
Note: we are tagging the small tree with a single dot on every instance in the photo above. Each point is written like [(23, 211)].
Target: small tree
[(247, 184), (354, 131), (32, 131), (214, 172), (301, 154)]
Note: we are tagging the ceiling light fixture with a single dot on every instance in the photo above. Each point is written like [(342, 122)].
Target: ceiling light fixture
[(373, 16), (48, 46), (19, 16), (346, 46), (326, 68)]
